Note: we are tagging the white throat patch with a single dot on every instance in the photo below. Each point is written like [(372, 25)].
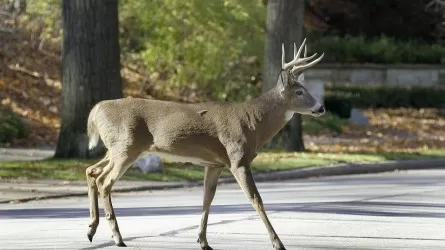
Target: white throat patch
[(288, 115)]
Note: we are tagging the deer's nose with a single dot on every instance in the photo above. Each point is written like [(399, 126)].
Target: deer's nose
[(321, 110), (318, 109)]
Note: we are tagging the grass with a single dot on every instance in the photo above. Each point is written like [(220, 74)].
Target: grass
[(329, 122), (267, 161)]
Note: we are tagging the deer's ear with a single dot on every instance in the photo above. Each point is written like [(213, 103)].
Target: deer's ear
[(283, 81), (301, 78)]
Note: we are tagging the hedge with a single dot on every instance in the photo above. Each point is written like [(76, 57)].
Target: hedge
[(340, 99), (349, 49), (11, 126)]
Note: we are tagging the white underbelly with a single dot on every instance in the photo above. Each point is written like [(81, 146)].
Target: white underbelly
[(177, 158)]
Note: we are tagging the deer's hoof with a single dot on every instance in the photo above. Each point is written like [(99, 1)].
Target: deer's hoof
[(90, 237), (121, 244), (91, 231), (280, 247), (204, 247)]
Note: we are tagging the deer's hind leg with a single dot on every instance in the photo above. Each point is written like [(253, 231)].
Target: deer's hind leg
[(119, 162), (92, 173)]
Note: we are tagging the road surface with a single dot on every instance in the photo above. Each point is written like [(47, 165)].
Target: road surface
[(398, 210)]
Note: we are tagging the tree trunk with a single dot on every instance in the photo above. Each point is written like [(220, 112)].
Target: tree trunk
[(90, 68), (285, 20)]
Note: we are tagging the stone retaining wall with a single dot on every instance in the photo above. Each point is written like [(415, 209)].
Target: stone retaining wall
[(378, 74)]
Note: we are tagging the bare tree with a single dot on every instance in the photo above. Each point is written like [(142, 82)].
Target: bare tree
[(285, 20), (90, 68)]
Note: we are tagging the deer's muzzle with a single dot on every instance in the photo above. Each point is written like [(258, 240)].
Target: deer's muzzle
[(318, 109)]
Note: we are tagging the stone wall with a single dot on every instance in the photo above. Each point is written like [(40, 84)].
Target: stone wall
[(377, 74)]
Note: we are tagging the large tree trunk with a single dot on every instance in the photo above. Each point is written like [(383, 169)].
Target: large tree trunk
[(285, 20), (90, 68)]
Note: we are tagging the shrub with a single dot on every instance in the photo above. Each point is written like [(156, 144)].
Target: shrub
[(330, 122), (197, 44), (11, 126), (350, 49), (404, 19), (340, 98)]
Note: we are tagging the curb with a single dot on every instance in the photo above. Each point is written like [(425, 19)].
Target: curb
[(312, 172)]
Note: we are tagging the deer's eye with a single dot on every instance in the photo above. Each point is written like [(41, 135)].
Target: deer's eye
[(299, 92)]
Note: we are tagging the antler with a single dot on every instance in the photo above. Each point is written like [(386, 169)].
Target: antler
[(299, 64)]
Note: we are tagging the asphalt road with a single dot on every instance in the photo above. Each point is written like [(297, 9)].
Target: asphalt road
[(398, 210)]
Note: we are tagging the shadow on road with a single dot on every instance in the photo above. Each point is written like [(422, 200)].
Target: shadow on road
[(111, 243), (368, 208)]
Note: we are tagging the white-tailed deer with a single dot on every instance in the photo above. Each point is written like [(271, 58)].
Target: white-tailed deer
[(214, 135)]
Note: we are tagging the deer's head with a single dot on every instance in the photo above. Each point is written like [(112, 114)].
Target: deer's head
[(290, 83)]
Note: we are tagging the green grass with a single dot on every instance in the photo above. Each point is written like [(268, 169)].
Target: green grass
[(267, 161), (329, 122)]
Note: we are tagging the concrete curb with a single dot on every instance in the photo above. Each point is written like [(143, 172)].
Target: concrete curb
[(331, 170)]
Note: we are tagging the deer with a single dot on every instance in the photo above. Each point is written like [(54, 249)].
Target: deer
[(214, 135)]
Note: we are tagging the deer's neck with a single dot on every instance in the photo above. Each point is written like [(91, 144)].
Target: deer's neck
[(267, 114)]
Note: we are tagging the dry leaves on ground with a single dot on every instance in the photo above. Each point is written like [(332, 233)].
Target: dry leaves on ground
[(390, 130)]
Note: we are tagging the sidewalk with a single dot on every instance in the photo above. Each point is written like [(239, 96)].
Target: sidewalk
[(19, 154), (26, 190)]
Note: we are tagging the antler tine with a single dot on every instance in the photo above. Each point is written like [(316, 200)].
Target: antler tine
[(308, 65), (296, 59), (299, 64), (296, 56), (305, 49), (283, 63), (305, 59)]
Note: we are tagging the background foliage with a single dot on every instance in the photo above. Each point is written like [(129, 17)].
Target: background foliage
[(340, 99), (11, 126), (199, 50), (382, 49), (211, 45), (179, 54), (403, 19)]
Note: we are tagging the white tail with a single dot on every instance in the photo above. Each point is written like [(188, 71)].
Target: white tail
[(214, 135), (92, 131)]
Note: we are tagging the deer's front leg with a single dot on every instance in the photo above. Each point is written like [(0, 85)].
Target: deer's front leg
[(244, 177), (210, 184)]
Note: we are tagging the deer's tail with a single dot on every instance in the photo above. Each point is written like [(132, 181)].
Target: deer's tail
[(92, 132)]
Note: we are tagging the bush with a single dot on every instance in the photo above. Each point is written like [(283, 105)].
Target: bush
[(11, 126), (330, 122), (404, 19), (357, 49), (338, 99), (197, 44), (338, 105)]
